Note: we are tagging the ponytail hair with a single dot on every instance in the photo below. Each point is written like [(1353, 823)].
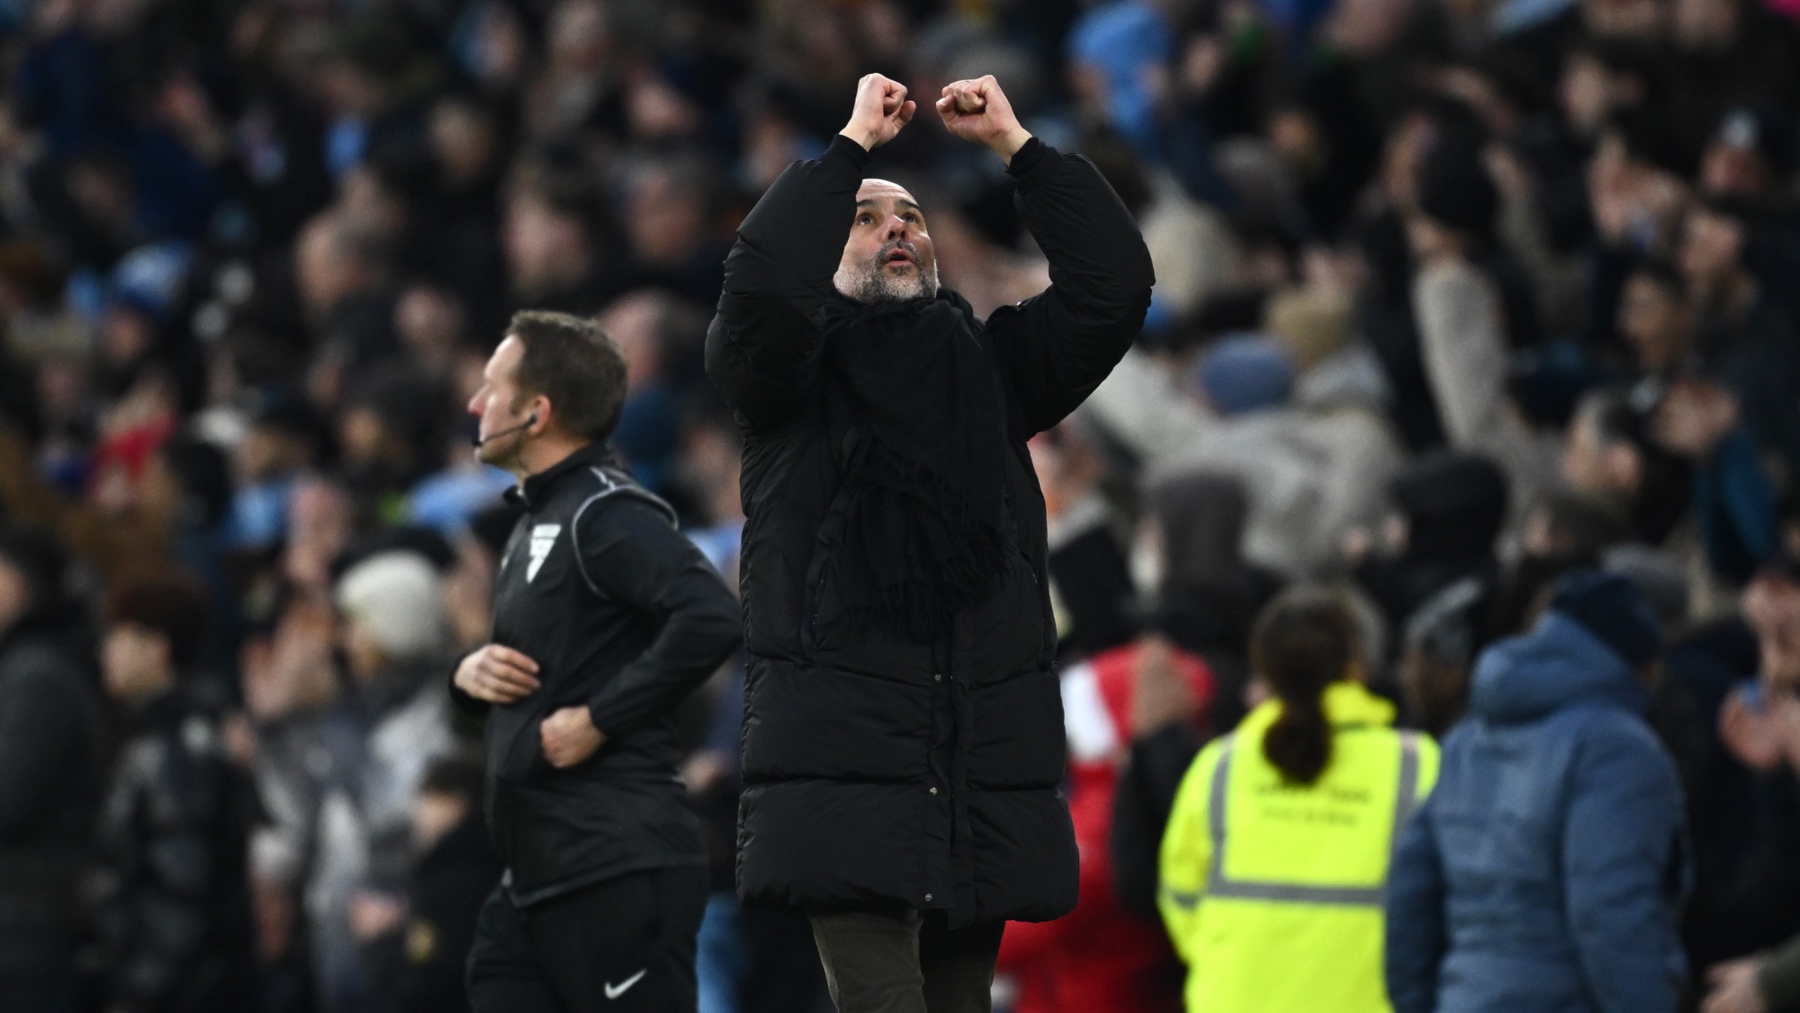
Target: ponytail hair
[(1305, 640)]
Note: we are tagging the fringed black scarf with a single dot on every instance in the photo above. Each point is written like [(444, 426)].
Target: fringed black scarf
[(925, 484)]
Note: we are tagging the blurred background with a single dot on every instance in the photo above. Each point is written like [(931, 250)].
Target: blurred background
[(1453, 296)]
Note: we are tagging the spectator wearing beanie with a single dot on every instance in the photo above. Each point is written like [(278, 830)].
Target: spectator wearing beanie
[(390, 603), (1547, 871), (1244, 373), (395, 636)]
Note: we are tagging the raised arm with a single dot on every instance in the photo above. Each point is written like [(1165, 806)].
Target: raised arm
[(1057, 347), (763, 348)]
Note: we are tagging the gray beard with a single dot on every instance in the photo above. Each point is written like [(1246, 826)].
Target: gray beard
[(871, 283)]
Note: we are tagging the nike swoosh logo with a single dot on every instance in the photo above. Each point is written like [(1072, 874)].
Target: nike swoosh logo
[(614, 991)]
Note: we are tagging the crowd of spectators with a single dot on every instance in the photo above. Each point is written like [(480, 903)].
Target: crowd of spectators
[(1453, 297)]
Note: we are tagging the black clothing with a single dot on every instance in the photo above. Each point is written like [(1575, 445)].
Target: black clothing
[(51, 989), (50, 785), (1755, 350), (428, 957), (1092, 580), (1760, 65), (907, 963), (786, 975), (1454, 506), (174, 907), (1141, 806), (1745, 824), (623, 614), (1213, 622), (924, 506), (884, 769), (623, 945)]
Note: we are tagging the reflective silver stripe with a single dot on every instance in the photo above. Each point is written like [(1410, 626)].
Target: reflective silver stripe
[(1215, 817), (1406, 801), (1295, 893), (1219, 886)]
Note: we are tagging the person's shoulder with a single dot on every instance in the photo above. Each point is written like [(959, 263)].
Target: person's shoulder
[(615, 511), (37, 661), (607, 494), (1612, 736), (1213, 753)]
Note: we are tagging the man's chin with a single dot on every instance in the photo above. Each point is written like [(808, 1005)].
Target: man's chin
[(887, 285), (909, 294)]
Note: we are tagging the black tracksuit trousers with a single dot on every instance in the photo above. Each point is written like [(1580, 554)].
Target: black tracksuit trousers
[(625, 945)]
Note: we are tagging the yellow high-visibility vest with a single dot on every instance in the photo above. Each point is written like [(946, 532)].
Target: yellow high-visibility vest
[(1273, 892)]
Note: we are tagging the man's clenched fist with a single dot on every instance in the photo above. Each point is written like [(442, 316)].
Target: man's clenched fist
[(978, 111), (882, 108), (497, 674), (569, 736)]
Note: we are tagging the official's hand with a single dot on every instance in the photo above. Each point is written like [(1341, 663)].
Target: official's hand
[(882, 108), (497, 674), (569, 736), (978, 111), (1734, 988)]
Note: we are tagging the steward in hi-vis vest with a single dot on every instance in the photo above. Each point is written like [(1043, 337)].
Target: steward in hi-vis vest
[(1275, 860)]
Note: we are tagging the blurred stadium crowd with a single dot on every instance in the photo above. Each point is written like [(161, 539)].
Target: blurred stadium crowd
[(1453, 296)]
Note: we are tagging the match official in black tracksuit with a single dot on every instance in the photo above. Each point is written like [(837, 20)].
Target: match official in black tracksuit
[(605, 617)]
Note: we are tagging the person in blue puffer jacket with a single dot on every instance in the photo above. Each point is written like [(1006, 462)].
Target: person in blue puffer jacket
[(1546, 872)]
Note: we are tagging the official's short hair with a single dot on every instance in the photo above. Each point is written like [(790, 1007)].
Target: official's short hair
[(573, 362)]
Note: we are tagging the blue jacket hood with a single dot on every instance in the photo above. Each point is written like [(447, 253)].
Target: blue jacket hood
[(1557, 665)]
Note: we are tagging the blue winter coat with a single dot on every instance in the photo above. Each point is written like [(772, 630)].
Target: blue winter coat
[(1546, 871)]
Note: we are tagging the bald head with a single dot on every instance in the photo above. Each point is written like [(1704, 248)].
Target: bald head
[(889, 256), (872, 189)]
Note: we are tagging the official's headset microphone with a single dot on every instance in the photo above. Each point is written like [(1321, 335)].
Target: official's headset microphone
[(479, 440)]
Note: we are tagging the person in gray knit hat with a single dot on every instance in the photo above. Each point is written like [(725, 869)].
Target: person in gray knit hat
[(395, 637)]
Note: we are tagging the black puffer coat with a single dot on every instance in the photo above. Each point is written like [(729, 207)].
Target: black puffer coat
[(50, 787), (172, 891), (880, 772)]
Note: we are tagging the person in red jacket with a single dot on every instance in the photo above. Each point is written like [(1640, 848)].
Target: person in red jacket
[(1101, 958)]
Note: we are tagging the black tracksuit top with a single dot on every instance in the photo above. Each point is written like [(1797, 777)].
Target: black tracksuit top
[(623, 614)]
